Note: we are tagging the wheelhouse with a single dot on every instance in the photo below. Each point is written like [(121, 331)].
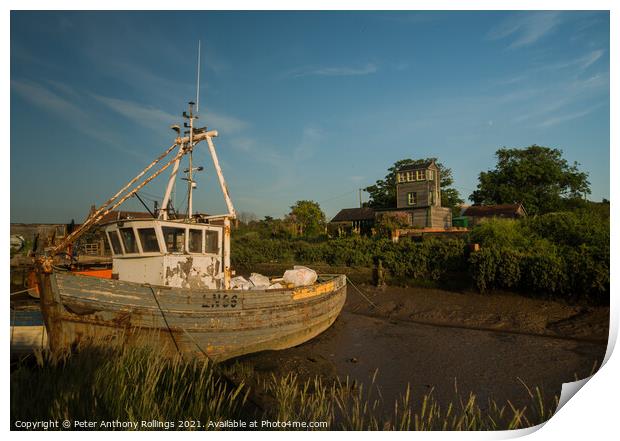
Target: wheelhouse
[(166, 252)]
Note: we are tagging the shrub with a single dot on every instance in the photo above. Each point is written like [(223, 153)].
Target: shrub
[(565, 255)]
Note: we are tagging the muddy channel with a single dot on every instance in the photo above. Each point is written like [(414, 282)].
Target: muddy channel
[(449, 344)]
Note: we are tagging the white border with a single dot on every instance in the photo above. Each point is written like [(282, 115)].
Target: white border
[(592, 415)]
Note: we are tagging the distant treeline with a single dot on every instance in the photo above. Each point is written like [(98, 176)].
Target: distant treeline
[(562, 255)]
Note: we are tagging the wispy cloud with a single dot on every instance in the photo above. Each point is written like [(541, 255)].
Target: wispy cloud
[(333, 71), (74, 115), (564, 95), (145, 115), (146, 80), (154, 117), (591, 58), (309, 144), (224, 123), (45, 99), (260, 153), (526, 29), (559, 119), (581, 63)]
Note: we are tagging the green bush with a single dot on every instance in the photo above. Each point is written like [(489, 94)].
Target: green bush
[(430, 259), (565, 255)]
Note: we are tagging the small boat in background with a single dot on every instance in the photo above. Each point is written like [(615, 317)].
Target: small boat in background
[(170, 282)]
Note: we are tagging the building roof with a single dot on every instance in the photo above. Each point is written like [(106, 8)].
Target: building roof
[(424, 165), (118, 215), (354, 214), (494, 210)]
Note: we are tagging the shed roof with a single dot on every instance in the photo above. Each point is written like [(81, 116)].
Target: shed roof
[(494, 210), (424, 165), (118, 215), (354, 214)]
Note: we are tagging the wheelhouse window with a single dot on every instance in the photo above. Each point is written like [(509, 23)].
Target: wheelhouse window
[(212, 243), (412, 198), (148, 239), (115, 242), (174, 238), (195, 241), (129, 240)]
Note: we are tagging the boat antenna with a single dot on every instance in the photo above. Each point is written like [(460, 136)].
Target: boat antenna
[(198, 81)]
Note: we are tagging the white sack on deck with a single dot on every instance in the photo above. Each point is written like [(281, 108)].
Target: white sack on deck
[(239, 282), (276, 286), (259, 281), (300, 276)]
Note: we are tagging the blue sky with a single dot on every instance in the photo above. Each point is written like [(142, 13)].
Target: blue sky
[(309, 105)]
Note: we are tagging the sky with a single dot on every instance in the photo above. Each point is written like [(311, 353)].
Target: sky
[(308, 105)]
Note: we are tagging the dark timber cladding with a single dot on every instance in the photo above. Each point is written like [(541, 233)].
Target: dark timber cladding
[(418, 186), (418, 193)]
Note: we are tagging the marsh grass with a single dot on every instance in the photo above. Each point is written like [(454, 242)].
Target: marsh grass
[(138, 384), (118, 383), (349, 406)]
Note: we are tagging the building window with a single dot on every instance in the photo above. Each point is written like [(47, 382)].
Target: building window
[(430, 174), (174, 239), (148, 239), (129, 240), (409, 176), (412, 198), (431, 198), (212, 243), (116, 244), (420, 175), (195, 241), (399, 177)]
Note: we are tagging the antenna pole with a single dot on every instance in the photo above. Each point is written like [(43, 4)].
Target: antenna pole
[(198, 81), (190, 179)]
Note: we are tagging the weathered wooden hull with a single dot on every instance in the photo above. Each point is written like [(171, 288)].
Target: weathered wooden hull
[(220, 324)]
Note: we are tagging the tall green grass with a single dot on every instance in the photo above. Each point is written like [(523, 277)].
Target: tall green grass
[(346, 405), (121, 383), (129, 384)]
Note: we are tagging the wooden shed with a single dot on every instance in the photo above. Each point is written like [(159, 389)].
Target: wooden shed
[(476, 213), (352, 220)]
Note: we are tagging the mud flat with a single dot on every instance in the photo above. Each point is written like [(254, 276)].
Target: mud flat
[(491, 345)]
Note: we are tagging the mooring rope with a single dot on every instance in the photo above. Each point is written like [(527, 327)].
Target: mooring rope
[(197, 345), (22, 291), (165, 320), (360, 292), (13, 323)]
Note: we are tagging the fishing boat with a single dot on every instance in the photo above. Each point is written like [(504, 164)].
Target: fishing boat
[(170, 282)]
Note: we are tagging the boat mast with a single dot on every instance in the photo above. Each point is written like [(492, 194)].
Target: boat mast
[(190, 181), (186, 144), (190, 171)]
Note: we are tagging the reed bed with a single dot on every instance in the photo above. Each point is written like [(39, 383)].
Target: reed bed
[(124, 384), (129, 384)]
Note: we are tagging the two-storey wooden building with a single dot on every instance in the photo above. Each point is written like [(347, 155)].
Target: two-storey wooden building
[(418, 197), (418, 193)]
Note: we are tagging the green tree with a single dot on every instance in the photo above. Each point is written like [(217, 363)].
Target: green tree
[(538, 177), (308, 217), (383, 193)]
